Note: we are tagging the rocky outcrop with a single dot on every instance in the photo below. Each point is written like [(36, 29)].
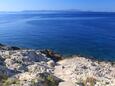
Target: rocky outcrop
[(80, 71), (28, 67), (49, 53), (25, 67)]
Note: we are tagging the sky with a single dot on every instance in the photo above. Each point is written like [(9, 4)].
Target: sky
[(84, 5)]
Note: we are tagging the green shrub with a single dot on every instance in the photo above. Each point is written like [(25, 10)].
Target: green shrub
[(50, 81), (10, 82), (33, 82)]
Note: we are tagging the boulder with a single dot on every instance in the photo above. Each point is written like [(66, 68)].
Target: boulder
[(54, 56), (51, 63)]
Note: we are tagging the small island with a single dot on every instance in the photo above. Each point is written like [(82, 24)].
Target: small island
[(30, 67)]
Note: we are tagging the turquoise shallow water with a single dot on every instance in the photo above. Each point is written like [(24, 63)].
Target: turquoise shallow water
[(87, 34)]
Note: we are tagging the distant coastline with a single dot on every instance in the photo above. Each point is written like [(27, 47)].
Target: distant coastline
[(55, 11)]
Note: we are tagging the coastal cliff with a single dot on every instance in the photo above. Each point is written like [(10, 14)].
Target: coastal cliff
[(29, 67)]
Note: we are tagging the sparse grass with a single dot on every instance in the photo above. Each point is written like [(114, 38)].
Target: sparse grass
[(3, 77), (89, 80), (33, 82), (9, 82), (46, 80), (50, 81)]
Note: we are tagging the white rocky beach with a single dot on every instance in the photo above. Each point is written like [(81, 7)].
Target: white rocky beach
[(29, 67)]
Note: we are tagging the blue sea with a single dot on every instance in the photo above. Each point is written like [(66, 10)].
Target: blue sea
[(90, 34)]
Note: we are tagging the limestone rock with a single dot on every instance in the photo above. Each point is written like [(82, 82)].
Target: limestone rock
[(66, 84), (51, 63), (29, 67)]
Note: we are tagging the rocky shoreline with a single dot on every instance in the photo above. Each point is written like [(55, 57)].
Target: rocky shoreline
[(29, 67)]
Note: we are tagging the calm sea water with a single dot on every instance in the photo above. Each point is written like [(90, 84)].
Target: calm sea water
[(87, 34)]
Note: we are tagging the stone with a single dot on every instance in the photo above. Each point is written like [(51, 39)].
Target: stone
[(51, 63), (54, 56), (66, 84)]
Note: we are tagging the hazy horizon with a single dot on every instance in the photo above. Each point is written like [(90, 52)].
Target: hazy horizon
[(65, 10), (82, 5)]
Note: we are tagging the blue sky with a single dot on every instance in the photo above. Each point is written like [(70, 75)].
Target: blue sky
[(90, 5)]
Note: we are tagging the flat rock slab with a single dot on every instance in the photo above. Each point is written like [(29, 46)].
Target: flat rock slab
[(66, 84)]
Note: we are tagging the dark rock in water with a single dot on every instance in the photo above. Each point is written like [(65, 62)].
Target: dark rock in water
[(54, 56), (1, 61), (1, 44), (4, 47), (14, 48)]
